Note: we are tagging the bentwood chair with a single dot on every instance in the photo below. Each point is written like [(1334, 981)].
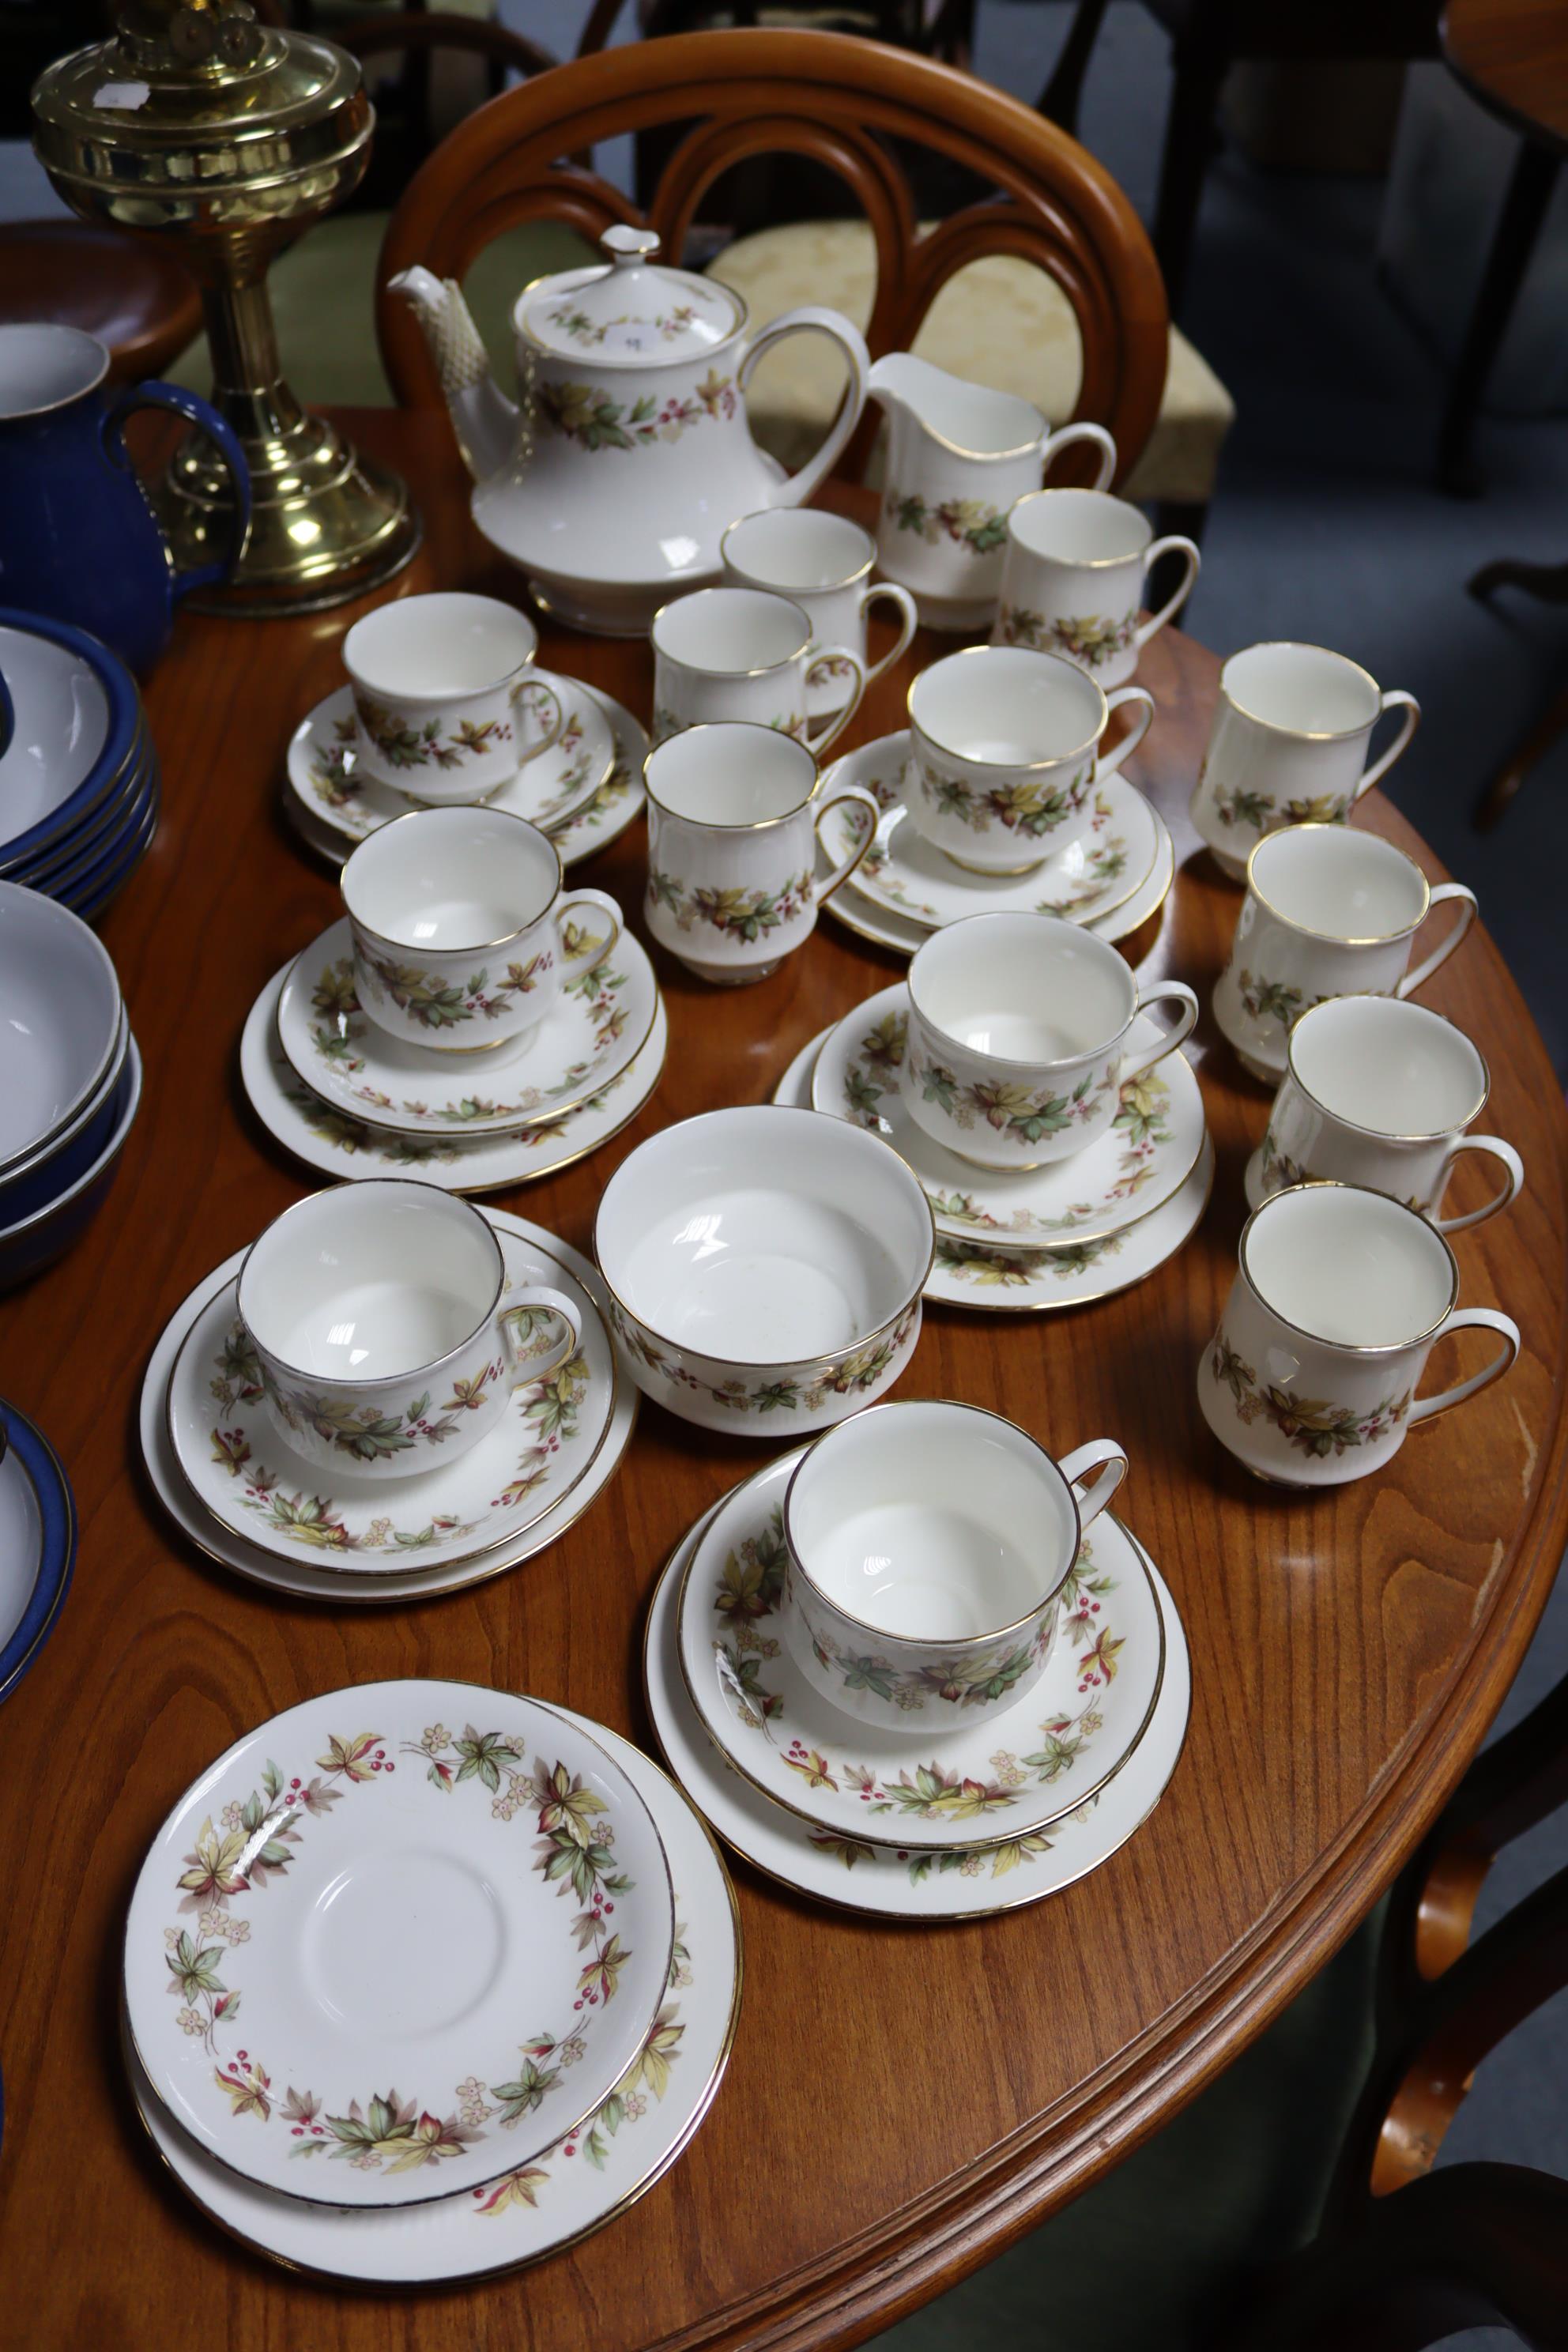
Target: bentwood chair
[(843, 102)]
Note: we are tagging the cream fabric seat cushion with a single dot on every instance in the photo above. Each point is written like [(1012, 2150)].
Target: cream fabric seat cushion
[(999, 321)]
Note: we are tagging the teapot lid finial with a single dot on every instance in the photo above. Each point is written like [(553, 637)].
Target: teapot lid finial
[(627, 245)]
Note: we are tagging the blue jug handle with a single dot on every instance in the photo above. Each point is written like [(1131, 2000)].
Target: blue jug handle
[(7, 728), (206, 418)]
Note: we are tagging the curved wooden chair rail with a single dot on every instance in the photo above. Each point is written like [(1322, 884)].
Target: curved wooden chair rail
[(441, 29), (839, 100)]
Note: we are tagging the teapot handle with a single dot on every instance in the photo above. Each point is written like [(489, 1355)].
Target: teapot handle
[(813, 318), (206, 418)]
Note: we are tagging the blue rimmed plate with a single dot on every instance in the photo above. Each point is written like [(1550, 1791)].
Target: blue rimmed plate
[(77, 714), (38, 1544)]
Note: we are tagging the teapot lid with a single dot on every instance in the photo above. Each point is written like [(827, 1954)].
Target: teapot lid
[(632, 313)]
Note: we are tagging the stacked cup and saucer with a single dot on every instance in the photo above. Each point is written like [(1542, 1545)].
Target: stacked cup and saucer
[(1043, 1106), (916, 1668), (467, 1015), (444, 701)]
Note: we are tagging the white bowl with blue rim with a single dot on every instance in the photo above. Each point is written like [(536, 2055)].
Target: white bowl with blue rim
[(35, 1241), (76, 722), (38, 1543), (62, 1025)]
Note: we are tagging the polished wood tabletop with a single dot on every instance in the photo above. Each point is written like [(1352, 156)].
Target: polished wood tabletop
[(1513, 56), (902, 2101)]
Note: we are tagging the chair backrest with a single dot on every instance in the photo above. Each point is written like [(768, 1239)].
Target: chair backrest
[(822, 95)]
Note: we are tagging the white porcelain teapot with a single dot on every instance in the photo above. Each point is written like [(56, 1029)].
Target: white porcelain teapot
[(630, 455)]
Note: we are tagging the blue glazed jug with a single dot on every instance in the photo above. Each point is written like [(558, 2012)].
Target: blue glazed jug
[(78, 539)]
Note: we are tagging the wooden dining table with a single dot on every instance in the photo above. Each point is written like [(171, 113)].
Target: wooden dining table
[(902, 2101)]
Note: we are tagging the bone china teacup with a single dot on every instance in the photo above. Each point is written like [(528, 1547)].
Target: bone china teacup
[(1339, 1298), (823, 563), (1072, 580), (446, 692), (743, 653), (733, 813), (1329, 911), (1288, 746), (1004, 757), (1017, 1052), (462, 934), (1379, 1093), (927, 1544), (386, 1338)]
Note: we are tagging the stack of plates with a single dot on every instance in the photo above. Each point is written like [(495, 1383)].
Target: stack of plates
[(250, 1502), (973, 1810), (903, 890), (374, 1876), (1020, 1243), (38, 1544), (70, 1079), (79, 778)]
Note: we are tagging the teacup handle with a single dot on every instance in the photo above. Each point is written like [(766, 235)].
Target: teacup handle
[(1395, 699), (846, 866), (594, 950), (1109, 764), (840, 719), (522, 1322), (1513, 1169), (1176, 992), (536, 686), (909, 620), (1464, 898), (1472, 1318), (1069, 437), (1174, 545), (1102, 1455)]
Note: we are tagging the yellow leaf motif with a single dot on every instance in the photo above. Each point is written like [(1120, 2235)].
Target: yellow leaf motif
[(813, 1769), (350, 1756), (516, 2188)]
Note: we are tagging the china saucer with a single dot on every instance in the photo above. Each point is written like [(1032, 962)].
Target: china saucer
[(1012, 1281), (297, 1575), (325, 1139), (886, 930), (594, 1032), (325, 779), (543, 2207), (1140, 1161), (355, 1875), (330, 817), (896, 1883), (904, 875), (245, 1479), (976, 1768)]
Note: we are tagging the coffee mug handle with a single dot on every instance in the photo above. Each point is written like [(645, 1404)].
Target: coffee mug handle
[(1070, 437), (846, 866), (1175, 992), (1174, 545), (1102, 1455), (1472, 1318), (591, 951), (1395, 699), (909, 620), (1464, 898), (548, 694), (527, 1314), (1513, 1167), (840, 719), (1129, 742)]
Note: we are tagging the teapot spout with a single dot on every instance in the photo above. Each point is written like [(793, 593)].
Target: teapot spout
[(485, 421)]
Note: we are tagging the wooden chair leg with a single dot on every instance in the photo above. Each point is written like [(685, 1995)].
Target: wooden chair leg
[(1549, 730), (1189, 144), (1525, 207), (1547, 582), (1062, 95), (1512, 1785)]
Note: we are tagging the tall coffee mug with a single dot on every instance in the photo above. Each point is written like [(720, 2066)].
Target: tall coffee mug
[(743, 653), (1340, 1296), (733, 821), (823, 563), (386, 1336), (1328, 912), (462, 930), (447, 701), (1005, 758), (1072, 580), (1288, 746), (1017, 1045), (1379, 1093)]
